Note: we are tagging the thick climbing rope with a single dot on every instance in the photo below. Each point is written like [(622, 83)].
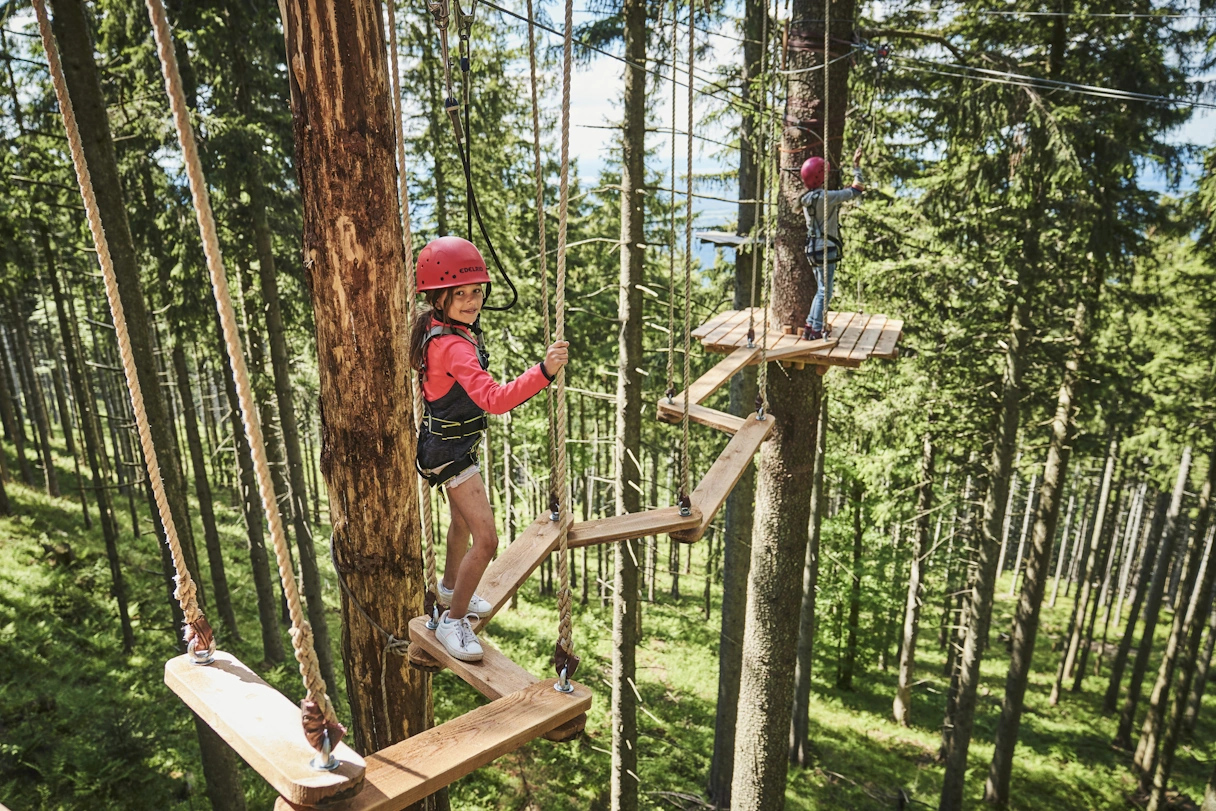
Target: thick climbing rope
[(199, 639), (301, 631), (773, 196), (565, 625), (758, 157), (827, 148), (431, 583), (685, 463), (537, 171), (671, 240)]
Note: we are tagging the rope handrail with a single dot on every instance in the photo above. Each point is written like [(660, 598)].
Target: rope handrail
[(327, 734), (685, 462)]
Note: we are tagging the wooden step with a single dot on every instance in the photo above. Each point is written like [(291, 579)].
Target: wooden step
[(721, 374), (494, 676), (803, 350), (720, 420), (406, 772), (725, 473), (631, 525), (516, 563), (263, 726)]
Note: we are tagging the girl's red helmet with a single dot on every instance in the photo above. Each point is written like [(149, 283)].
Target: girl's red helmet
[(450, 262), (813, 171)]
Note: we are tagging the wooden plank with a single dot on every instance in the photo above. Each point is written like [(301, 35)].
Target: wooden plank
[(809, 349), (516, 563), (848, 339), (262, 726), (725, 325), (861, 351), (494, 676), (708, 326), (673, 413), (632, 525), (406, 772), (724, 474), (886, 346), (718, 376), (737, 336)]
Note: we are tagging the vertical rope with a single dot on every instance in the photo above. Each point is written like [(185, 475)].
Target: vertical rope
[(684, 456), (301, 631), (758, 158), (772, 195), (565, 621), (411, 293), (827, 149), (671, 240), (537, 171), (198, 633)]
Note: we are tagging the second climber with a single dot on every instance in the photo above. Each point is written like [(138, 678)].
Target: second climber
[(824, 246), (447, 350)]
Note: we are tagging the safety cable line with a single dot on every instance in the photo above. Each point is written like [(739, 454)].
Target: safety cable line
[(565, 621), (301, 630), (422, 490), (671, 238), (1040, 83), (198, 636), (685, 502)]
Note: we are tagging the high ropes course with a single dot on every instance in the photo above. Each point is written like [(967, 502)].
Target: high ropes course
[(297, 749)]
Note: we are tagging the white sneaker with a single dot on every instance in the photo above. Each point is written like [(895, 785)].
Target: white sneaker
[(477, 605), (458, 638)]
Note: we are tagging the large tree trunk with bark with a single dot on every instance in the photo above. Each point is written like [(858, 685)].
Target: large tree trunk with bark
[(84, 88), (1026, 620), (800, 748), (625, 601), (902, 707), (1153, 729), (787, 458), (354, 257), (1152, 602)]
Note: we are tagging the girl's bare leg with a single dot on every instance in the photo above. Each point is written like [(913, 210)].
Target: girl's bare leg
[(473, 504), (457, 544)]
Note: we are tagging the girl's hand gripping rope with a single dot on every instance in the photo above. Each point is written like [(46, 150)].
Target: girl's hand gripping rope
[(557, 356)]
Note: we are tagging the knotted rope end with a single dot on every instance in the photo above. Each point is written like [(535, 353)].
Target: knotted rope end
[(316, 727)]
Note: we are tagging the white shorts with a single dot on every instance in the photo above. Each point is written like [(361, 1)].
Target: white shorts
[(460, 478)]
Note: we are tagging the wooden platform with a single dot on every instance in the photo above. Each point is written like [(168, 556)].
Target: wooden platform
[(406, 772), (858, 337), (262, 726)]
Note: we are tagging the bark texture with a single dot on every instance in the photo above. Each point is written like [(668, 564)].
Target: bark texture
[(354, 257), (902, 706)]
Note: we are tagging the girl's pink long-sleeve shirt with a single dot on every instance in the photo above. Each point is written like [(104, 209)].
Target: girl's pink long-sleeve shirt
[(452, 359)]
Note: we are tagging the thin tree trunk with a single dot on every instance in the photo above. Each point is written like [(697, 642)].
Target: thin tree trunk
[(624, 788), (11, 409), (1027, 512), (849, 661), (1012, 500), (1081, 607), (1131, 546), (800, 749), (1195, 702), (1109, 547), (1152, 538), (1063, 546), (1154, 729), (34, 403), (339, 85), (902, 706), (1152, 602)]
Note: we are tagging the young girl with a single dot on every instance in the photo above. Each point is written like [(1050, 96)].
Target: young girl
[(447, 350), (823, 243)]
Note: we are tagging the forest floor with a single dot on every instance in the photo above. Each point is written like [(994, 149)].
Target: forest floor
[(82, 725)]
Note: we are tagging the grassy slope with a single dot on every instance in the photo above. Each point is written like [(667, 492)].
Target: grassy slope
[(82, 726)]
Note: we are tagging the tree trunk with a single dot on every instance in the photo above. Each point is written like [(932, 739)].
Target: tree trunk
[(800, 750), (1027, 512), (625, 602), (960, 719), (1152, 602), (1109, 521), (84, 87), (787, 458), (34, 403), (902, 707), (354, 257), (12, 413), (1085, 587), (1030, 602), (1195, 702), (1013, 497), (1153, 729), (1147, 557), (91, 431)]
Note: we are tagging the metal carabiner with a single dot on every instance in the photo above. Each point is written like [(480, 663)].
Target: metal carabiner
[(441, 11), (464, 29)]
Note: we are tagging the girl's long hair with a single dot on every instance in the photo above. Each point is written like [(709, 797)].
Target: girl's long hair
[(436, 301)]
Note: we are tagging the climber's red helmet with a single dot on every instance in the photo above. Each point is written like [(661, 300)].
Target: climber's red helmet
[(450, 262), (813, 171)]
